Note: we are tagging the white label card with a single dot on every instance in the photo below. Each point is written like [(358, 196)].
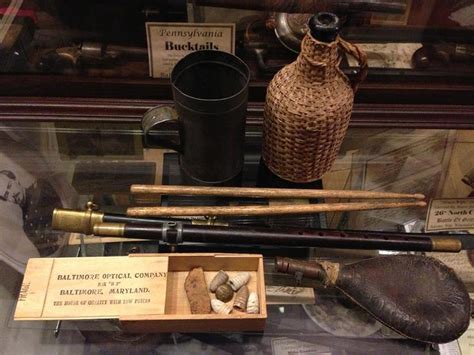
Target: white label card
[(169, 42), (445, 214)]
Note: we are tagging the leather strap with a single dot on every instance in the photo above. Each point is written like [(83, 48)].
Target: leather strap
[(361, 58)]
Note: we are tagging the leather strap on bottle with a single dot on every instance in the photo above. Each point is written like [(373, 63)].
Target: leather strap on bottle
[(361, 58)]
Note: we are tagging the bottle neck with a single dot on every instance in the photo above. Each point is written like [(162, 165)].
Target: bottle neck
[(318, 61)]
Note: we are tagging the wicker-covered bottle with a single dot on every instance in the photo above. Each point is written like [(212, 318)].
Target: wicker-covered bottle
[(309, 104)]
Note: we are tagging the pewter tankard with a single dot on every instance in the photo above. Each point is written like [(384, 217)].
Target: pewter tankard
[(210, 90)]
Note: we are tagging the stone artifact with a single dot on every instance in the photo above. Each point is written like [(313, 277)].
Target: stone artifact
[(196, 291), (239, 280), (252, 303), (220, 307), (224, 293), (220, 279), (241, 297)]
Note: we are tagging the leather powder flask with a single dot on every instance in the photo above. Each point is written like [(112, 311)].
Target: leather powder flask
[(309, 104), (416, 296)]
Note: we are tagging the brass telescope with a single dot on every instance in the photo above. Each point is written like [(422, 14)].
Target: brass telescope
[(176, 231)]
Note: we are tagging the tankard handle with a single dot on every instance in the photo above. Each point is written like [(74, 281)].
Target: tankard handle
[(361, 58), (151, 120)]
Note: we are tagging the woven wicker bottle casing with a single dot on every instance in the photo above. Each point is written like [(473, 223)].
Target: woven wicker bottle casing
[(307, 111)]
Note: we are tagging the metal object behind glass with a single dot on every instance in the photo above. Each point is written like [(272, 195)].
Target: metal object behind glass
[(417, 296), (210, 96)]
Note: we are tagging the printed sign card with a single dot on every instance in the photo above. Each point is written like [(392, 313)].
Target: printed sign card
[(289, 295), (449, 214), (91, 288), (169, 42)]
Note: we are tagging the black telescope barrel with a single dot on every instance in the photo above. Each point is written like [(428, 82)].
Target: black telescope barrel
[(288, 237)]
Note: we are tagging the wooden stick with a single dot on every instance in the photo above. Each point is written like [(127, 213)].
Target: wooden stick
[(264, 192), (266, 210)]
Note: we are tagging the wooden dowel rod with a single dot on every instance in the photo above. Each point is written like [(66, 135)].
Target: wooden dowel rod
[(264, 192), (266, 210)]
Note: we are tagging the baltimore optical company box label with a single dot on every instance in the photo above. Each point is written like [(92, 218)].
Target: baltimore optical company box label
[(169, 42), (450, 214), (89, 288)]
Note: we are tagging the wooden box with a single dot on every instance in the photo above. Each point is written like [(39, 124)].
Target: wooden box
[(145, 292), (178, 318)]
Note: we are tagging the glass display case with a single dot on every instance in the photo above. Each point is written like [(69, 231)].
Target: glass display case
[(64, 164), (86, 38), (76, 84), (71, 48)]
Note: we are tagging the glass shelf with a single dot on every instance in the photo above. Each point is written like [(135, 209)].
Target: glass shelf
[(47, 165)]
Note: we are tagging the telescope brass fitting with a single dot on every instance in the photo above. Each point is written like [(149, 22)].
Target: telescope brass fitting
[(109, 229), (446, 244), (76, 221)]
